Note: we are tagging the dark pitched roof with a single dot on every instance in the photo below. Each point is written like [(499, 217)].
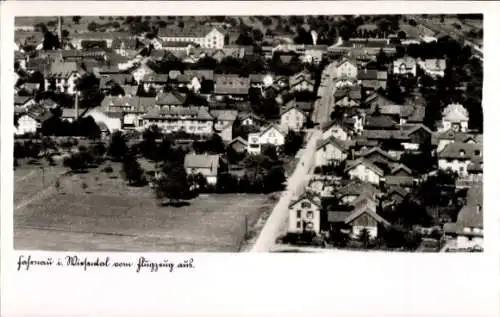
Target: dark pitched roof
[(367, 152), (224, 115), (353, 93), (231, 84), (312, 198), (202, 161), (238, 139), (382, 135), (198, 113), (171, 98), (458, 150), (379, 122), (353, 163), (392, 180), (360, 211), (341, 145), (471, 215), (357, 187)]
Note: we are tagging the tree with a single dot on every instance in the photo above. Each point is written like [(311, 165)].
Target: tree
[(50, 41), (92, 26), (293, 142), (274, 179), (118, 146), (132, 171), (215, 144), (89, 92), (76, 19), (76, 162), (173, 184), (402, 35), (365, 238)]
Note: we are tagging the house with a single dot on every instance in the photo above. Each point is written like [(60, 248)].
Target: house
[(354, 189), (377, 155), (170, 99), (365, 217), (270, 135), (224, 121), (405, 66), (206, 165), (331, 151), (346, 68), (358, 215), (336, 130), (379, 122), (304, 214), (63, 76), (376, 99), (348, 97), (468, 229), (433, 67), (132, 108), (291, 117), (313, 55), (458, 156), (206, 36), (106, 38), (232, 86), (364, 170), (413, 114), (154, 80), (302, 81), (394, 196), (415, 136), (239, 145), (322, 185), (450, 136), (372, 79), (193, 120), (31, 121), (249, 119), (142, 71), (454, 117)]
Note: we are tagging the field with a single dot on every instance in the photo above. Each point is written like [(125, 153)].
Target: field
[(110, 216)]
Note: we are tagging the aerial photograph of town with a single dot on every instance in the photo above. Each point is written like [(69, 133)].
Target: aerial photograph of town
[(249, 133)]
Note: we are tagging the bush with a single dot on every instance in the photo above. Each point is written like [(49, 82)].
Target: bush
[(108, 169)]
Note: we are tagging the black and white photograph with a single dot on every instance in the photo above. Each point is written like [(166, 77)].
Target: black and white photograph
[(248, 133)]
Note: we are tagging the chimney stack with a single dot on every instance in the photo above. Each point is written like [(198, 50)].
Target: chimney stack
[(76, 104), (59, 30)]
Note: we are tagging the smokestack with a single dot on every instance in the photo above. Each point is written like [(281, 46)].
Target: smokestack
[(314, 36), (59, 30), (76, 105)]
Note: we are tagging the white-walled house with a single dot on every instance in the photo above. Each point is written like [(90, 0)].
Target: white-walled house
[(331, 151), (405, 66), (433, 67), (365, 217), (304, 214), (31, 121), (292, 118), (365, 171), (455, 117), (204, 164), (206, 37), (271, 135), (334, 129), (468, 229), (64, 76), (457, 157), (347, 69)]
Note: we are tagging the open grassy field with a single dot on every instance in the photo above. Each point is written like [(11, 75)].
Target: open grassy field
[(110, 216)]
